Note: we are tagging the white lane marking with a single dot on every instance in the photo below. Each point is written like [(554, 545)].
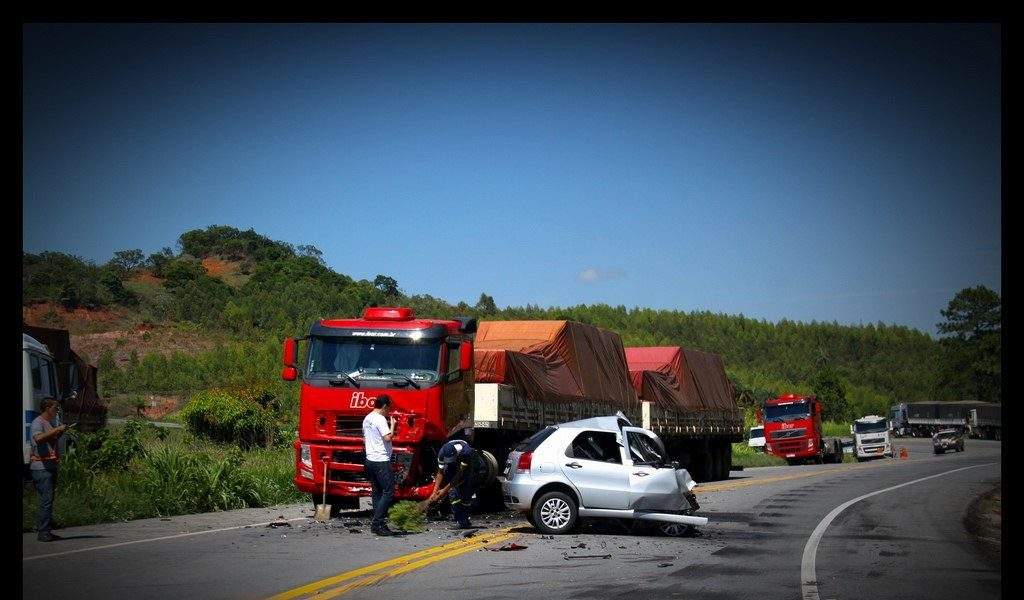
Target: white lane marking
[(808, 577), (156, 539)]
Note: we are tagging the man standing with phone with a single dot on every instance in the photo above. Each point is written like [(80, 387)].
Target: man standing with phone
[(46, 431), (378, 430)]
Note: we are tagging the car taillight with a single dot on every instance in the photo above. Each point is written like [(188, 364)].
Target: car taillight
[(525, 462)]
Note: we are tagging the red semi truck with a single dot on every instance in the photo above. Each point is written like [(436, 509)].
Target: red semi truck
[(792, 430), (493, 387)]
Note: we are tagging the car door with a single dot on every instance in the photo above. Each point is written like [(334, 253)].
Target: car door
[(593, 464), (651, 485)]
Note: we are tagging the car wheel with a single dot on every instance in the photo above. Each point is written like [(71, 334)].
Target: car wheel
[(555, 512), (530, 519), (675, 529)]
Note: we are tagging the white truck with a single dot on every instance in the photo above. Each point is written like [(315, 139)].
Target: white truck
[(871, 438), (38, 381)]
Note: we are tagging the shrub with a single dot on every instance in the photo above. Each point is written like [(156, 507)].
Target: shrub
[(224, 416)]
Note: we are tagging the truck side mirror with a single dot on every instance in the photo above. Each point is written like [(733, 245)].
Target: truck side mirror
[(289, 356), (466, 356), (289, 352)]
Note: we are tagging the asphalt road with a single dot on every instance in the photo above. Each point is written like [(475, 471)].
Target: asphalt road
[(907, 542)]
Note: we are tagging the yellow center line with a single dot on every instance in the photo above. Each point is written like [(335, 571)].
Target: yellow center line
[(406, 568), (399, 560)]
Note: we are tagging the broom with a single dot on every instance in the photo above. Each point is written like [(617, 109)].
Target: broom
[(323, 511)]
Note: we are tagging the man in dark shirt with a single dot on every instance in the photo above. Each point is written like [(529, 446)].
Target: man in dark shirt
[(46, 431)]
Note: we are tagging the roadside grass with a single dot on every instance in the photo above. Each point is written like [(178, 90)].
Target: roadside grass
[(834, 429), (747, 457), (175, 473)]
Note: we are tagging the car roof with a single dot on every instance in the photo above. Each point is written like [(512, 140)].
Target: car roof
[(613, 423), (946, 431), (870, 419)]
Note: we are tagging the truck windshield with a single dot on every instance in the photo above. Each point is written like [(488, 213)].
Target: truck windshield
[(787, 412), (878, 427), (373, 360)]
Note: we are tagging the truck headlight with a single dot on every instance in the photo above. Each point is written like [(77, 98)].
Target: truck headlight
[(305, 456), (810, 444)]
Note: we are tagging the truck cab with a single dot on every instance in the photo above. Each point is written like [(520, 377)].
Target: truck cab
[(424, 365), (39, 380), (871, 438), (792, 430)]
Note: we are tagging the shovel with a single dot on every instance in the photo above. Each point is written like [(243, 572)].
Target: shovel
[(323, 511)]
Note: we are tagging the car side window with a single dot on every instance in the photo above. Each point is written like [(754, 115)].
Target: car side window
[(595, 445)]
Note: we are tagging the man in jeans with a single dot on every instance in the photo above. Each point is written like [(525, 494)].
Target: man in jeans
[(378, 430), (45, 460)]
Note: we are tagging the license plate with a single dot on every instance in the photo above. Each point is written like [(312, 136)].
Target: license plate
[(365, 503), (791, 456)]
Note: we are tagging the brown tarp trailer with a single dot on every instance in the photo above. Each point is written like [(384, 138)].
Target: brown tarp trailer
[(554, 361), (74, 374), (676, 378)]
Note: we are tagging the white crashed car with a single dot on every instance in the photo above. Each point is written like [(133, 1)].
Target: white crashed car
[(600, 467)]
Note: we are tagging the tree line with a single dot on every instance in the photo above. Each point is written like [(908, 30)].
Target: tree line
[(864, 368)]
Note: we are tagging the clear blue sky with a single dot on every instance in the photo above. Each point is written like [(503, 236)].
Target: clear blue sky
[(829, 172)]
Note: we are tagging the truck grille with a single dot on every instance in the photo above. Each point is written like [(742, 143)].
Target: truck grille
[(873, 441), (791, 446), (338, 475), (348, 426), (350, 457), (787, 433)]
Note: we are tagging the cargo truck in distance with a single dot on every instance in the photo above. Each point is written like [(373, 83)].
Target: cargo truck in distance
[(871, 438), (922, 419), (792, 430), (493, 384)]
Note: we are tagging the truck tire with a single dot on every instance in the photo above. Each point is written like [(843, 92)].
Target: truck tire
[(716, 463), (792, 461), (555, 513), (726, 459)]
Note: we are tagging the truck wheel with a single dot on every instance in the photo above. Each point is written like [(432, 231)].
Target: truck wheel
[(726, 460), (555, 512), (792, 461)]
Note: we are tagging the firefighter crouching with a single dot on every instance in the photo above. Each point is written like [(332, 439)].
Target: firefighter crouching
[(460, 471)]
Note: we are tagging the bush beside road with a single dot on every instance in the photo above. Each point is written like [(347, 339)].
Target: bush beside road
[(137, 470)]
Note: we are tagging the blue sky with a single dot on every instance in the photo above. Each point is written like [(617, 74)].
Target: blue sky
[(828, 172)]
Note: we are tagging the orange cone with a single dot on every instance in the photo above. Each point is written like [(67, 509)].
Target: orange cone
[(903, 453)]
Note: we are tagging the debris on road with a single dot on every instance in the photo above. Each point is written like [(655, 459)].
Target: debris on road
[(355, 530), (509, 547), (470, 533), (276, 524), (665, 565), (567, 556), (579, 545)]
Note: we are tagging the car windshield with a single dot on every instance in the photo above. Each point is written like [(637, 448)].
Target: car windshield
[(879, 427), (757, 432), (373, 360), (787, 412), (946, 435)]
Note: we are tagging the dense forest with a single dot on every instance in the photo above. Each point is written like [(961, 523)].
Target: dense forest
[(271, 289)]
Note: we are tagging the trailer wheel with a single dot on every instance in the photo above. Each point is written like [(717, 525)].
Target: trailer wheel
[(726, 460)]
